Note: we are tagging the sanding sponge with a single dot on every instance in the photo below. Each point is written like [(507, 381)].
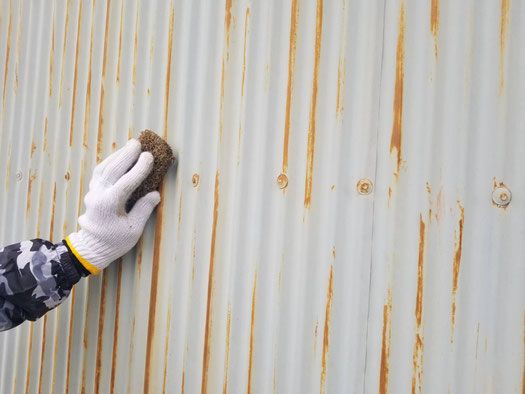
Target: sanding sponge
[(163, 158)]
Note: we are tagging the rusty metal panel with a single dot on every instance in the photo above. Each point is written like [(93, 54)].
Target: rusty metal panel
[(265, 268)]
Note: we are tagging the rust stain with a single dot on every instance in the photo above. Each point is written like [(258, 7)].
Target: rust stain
[(333, 187), (52, 54), (313, 108), (151, 47), (182, 383), (29, 350), (32, 177), (33, 147), (455, 269), (227, 19), (523, 378), (88, 85), (116, 328), (67, 176), (154, 285), (18, 37), (120, 41), (193, 255), (44, 146), (42, 355), (102, 83), (434, 23), (8, 49), (70, 340), (76, 76), (316, 333), (52, 224), (40, 202), (340, 87), (333, 251), (166, 348), (326, 331), (64, 52), (168, 73), (385, 347), (244, 50), (417, 356), (291, 69), (101, 319), (207, 331), (227, 356), (440, 205), (252, 326), (502, 42), (180, 215), (397, 124)]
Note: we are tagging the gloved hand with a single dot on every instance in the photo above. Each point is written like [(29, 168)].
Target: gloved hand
[(106, 231)]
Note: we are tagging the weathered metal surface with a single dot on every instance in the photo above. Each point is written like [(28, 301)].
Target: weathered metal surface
[(268, 266)]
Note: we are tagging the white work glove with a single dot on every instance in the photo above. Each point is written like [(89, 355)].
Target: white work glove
[(107, 231)]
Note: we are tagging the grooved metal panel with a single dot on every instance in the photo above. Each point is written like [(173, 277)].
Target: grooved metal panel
[(264, 269)]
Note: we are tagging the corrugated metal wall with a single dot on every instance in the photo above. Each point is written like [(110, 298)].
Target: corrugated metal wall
[(265, 269)]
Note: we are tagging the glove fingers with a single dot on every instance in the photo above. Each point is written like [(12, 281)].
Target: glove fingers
[(143, 208), (134, 177), (99, 169), (122, 162)]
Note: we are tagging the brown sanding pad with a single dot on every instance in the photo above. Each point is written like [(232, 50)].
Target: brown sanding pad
[(163, 158)]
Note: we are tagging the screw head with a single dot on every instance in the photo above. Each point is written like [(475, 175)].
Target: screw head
[(19, 176), (364, 186), (501, 196), (195, 180), (282, 181)]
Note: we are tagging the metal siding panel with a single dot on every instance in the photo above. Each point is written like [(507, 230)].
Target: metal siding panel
[(237, 284)]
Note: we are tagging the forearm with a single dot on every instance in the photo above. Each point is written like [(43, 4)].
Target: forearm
[(35, 277)]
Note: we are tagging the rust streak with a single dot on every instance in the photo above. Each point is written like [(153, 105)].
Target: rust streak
[(252, 327), (417, 356), (207, 331), (44, 146), (326, 331), (42, 355), (88, 85), (385, 348), (313, 107), (182, 383), (32, 177), (102, 83), (227, 19), (120, 41), (51, 54), (227, 356), (40, 202), (101, 315), (64, 52), (52, 224), (244, 50), (76, 76), (166, 349), (8, 48), (33, 147), (340, 87), (180, 214), (29, 350), (434, 23), (502, 42), (116, 329), (397, 124), (455, 270), (168, 73), (70, 340), (154, 288), (18, 38), (291, 68), (523, 369)]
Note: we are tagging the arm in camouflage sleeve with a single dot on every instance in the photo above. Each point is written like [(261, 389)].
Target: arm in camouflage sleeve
[(35, 277)]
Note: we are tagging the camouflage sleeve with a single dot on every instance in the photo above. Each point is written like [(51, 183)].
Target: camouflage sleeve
[(35, 277)]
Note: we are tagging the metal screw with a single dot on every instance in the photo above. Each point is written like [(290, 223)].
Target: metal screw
[(19, 176), (282, 181), (501, 196), (364, 186), (195, 180)]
